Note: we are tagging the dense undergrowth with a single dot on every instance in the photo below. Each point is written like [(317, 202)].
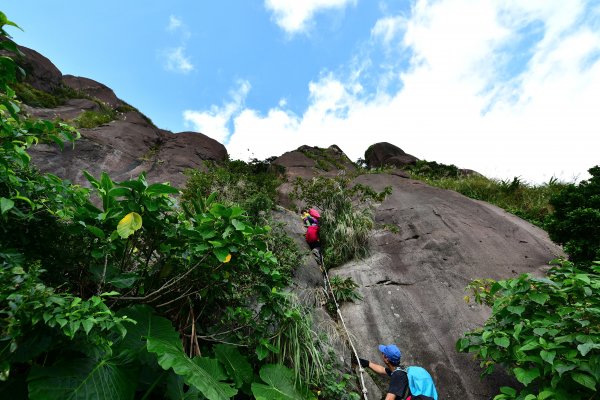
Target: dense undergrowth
[(125, 291)]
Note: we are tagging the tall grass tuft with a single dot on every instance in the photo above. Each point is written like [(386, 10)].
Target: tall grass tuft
[(346, 217), (298, 344)]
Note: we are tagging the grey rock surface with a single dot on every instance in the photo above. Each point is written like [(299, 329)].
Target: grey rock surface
[(384, 153), (413, 282), (92, 88), (127, 147)]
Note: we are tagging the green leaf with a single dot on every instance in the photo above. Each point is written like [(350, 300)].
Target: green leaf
[(586, 347), (585, 380), (159, 188), (508, 390), (279, 385), (516, 309), (548, 356), (76, 379), (6, 204), (583, 278), (119, 192), (530, 346), (526, 376), (236, 364), (124, 281), (539, 298), (502, 341), (129, 224), (99, 233), (239, 226), (163, 340), (221, 254)]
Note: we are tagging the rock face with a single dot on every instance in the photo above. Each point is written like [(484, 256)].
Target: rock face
[(308, 162), (127, 147), (413, 282), (124, 147), (42, 74), (386, 154), (92, 88)]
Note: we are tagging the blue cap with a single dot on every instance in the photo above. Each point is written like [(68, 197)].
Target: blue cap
[(392, 352)]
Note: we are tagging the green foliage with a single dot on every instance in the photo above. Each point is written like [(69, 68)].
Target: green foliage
[(279, 385), (545, 330), (91, 119), (346, 218), (251, 185), (38, 98), (336, 385), (575, 223), (295, 341), (344, 289), (529, 202), (76, 271), (423, 169)]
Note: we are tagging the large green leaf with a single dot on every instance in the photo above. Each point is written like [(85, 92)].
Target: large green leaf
[(236, 364), (279, 385), (585, 380), (163, 340), (79, 379), (129, 224), (526, 376), (5, 204)]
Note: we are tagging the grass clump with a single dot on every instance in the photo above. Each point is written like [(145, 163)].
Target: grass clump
[(91, 119), (39, 98), (344, 289)]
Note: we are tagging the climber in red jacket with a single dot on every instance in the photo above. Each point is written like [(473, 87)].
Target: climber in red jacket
[(311, 222)]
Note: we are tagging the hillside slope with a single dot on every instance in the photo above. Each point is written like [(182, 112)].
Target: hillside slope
[(413, 282)]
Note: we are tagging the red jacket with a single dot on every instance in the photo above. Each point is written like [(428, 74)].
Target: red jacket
[(312, 234)]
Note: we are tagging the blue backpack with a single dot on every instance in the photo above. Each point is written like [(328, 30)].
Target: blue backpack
[(420, 383)]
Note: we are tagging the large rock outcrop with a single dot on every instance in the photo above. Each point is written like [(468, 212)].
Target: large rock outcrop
[(124, 147), (307, 162), (413, 282), (386, 154)]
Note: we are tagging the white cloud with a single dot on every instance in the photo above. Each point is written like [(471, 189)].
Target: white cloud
[(176, 60), (214, 122), (174, 23), (294, 16), (456, 103)]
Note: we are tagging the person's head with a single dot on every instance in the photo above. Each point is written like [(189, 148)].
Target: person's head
[(391, 354)]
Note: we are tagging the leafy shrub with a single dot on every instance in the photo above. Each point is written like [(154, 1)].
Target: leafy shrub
[(546, 331), (346, 217), (195, 275), (252, 185), (344, 289), (423, 169), (575, 222)]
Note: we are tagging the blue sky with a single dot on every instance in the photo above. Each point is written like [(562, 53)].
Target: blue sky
[(507, 88)]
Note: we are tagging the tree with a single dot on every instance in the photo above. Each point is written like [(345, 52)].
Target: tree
[(575, 223)]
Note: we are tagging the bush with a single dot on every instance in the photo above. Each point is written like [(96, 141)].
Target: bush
[(546, 331), (344, 289), (91, 119), (575, 223)]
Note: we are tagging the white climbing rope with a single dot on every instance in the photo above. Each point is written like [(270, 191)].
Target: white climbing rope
[(328, 287)]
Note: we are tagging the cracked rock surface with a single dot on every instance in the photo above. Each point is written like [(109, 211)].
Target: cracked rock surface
[(413, 282)]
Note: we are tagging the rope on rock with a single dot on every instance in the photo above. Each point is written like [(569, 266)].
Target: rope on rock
[(330, 288)]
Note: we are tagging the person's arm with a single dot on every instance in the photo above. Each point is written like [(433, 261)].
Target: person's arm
[(390, 396), (375, 367)]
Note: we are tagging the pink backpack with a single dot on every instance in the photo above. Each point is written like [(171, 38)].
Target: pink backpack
[(314, 213)]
